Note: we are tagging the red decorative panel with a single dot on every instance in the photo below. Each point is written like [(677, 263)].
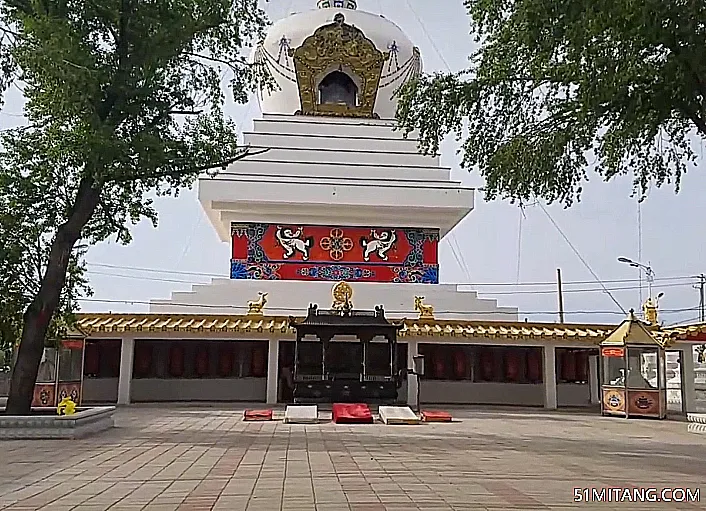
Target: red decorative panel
[(71, 390), (315, 252), (44, 395)]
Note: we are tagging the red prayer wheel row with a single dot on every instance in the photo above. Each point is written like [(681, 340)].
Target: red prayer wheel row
[(143, 359), (512, 366), (91, 359), (258, 364), (144, 355), (534, 366), (573, 365)]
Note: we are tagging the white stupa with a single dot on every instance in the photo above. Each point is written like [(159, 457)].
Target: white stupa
[(334, 164)]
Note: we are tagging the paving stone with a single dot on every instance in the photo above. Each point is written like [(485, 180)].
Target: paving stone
[(167, 459)]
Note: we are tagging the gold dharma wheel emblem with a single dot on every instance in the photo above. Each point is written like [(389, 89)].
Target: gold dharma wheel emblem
[(342, 295), (336, 244)]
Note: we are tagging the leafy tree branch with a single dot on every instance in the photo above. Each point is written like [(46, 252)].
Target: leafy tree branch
[(553, 86)]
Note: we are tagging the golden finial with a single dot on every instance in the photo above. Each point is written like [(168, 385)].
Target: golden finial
[(425, 311), (255, 306), (66, 407), (650, 310), (342, 294)]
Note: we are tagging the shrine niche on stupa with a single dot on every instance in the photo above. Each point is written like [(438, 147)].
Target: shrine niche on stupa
[(339, 53), (334, 253)]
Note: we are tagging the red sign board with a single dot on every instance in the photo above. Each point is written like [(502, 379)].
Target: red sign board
[(613, 352), (72, 344), (317, 252)]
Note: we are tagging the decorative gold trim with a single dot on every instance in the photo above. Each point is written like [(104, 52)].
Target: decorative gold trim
[(338, 46), (92, 323), (342, 295)]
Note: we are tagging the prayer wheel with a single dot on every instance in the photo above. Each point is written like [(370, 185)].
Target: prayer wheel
[(92, 359), (534, 366), (581, 365), (176, 361), (460, 364), (202, 362), (439, 364), (257, 365), (487, 364), (512, 366), (113, 355), (225, 361), (143, 359), (568, 366)]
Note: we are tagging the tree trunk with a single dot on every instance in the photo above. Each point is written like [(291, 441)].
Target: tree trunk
[(40, 312)]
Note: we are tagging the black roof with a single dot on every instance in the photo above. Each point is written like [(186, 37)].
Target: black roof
[(344, 318)]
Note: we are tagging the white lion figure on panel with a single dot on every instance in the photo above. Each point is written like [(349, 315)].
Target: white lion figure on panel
[(292, 242), (379, 244)]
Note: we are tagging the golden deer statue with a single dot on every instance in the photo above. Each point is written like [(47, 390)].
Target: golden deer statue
[(255, 306), (425, 311)]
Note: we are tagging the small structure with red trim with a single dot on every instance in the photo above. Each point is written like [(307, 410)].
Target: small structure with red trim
[(61, 373), (628, 389)]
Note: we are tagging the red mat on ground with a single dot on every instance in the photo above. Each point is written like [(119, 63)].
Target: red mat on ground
[(257, 415), (352, 413), (435, 416)]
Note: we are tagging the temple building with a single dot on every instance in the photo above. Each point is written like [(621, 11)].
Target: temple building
[(338, 211)]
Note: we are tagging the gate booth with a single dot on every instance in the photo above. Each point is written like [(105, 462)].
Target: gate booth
[(633, 372), (60, 374), (353, 358)]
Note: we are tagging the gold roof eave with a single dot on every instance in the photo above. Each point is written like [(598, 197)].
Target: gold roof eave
[(633, 332), (194, 323)]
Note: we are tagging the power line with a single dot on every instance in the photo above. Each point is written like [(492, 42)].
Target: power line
[(578, 254), (488, 284), (490, 293), (409, 311)]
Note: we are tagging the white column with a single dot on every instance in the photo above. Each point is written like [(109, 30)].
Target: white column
[(688, 382), (593, 376), (550, 377), (272, 371), (127, 353), (412, 351)]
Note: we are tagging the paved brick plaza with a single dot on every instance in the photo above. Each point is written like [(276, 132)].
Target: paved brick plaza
[(198, 459)]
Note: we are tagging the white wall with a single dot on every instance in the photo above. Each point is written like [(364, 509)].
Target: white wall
[(100, 390), (212, 389), (487, 393)]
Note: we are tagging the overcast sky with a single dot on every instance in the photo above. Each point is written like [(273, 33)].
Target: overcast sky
[(601, 228)]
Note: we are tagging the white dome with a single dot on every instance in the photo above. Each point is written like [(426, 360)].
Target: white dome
[(401, 59)]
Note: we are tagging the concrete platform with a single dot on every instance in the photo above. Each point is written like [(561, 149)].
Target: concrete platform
[(301, 414), (46, 424), (398, 415)]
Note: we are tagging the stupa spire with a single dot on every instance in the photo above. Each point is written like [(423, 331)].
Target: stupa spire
[(338, 4)]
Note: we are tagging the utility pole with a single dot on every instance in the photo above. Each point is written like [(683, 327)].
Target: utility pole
[(561, 295), (702, 302)]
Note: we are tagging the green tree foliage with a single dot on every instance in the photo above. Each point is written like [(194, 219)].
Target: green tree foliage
[(124, 97), (554, 87)]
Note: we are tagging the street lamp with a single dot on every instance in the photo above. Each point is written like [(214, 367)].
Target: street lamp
[(649, 273)]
